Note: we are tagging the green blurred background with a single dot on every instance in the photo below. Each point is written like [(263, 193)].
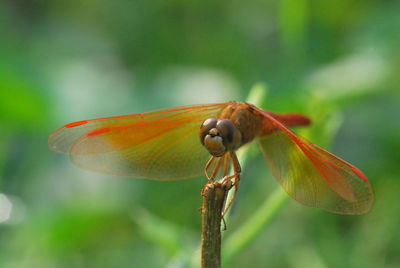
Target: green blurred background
[(63, 61)]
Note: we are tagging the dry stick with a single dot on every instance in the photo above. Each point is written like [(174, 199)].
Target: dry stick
[(214, 197)]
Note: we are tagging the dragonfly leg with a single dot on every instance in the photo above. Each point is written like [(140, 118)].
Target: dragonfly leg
[(214, 171), (209, 163), (216, 168), (236, 176), (226, 165)]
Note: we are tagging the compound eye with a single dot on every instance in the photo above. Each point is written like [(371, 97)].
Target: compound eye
[(229, 133), (205, 128)]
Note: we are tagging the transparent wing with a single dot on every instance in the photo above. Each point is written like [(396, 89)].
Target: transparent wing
[(313, 176), (161, 145)]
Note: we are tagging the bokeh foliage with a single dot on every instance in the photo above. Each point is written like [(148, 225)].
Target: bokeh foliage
[(63, 61)]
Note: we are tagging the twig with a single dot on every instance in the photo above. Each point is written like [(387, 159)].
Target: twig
[(214, 196)]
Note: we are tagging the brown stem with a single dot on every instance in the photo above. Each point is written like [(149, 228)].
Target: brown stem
[(214, 196)]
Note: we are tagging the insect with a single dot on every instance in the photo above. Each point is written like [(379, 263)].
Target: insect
[(164, 145)]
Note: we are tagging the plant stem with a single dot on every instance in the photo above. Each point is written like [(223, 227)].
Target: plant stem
[(256, 96), (243, 236), (214, 196)]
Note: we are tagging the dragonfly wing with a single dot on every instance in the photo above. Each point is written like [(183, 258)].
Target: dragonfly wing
[(161, 145), (313, 176)]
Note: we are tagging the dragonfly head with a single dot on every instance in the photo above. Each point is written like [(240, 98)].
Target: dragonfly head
[(220, 136)]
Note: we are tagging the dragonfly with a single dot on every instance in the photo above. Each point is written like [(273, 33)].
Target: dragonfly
[(188, 141)]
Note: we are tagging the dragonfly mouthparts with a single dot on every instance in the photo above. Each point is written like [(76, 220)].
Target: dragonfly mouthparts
[(214, 132)]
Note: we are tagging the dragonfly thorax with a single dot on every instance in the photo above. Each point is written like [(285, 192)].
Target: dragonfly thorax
[(220, 136)]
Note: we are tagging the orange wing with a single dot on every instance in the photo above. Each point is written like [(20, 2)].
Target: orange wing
[(160, 145), (313, 176)]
